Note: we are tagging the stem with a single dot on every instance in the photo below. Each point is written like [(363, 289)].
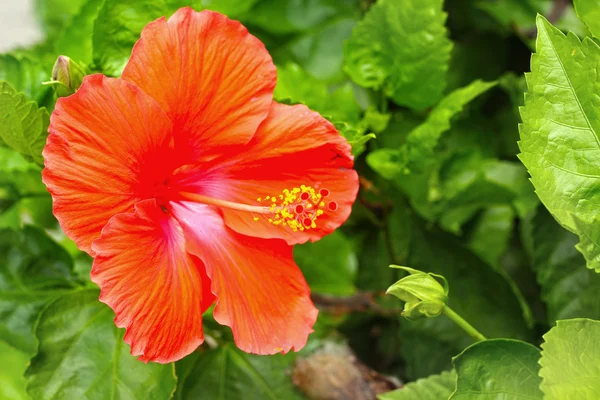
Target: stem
[(458, 320)]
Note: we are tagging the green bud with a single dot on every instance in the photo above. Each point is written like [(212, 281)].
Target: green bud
[(67, 76), (422, 293)]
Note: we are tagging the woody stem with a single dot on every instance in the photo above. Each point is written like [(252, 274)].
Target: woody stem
[(199, 198)]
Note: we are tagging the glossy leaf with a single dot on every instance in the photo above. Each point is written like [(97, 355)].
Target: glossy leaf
[(434, 387), (418, 150), (285, 17), (569, 289), (12, 366), (589, 12), (33, 271), (55, 13), (571, 360), (498, 369), (25, 74), (296, 85), (401, 46), (489, 238), (118, 27), (560, 134), (75, 40), (23, 126), (321, 53), (227, 373), (328, 265), (82, 355)]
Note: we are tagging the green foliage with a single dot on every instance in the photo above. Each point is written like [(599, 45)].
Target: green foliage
[(297, 86), (33, 271), (118, 27), (497, 368), (25, 75), (13, 382), (589, 12), (492, 308), (559, 138), (82, 354), (227, 373), (402, 48), (54, 13), (571, 361), (433, 387), (22, 124), (75, 39), (418, 150), (569, 289), (427, 93), (328, 265)]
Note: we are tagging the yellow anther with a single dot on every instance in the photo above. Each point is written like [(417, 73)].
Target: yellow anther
[(297, 207), (256, 218)]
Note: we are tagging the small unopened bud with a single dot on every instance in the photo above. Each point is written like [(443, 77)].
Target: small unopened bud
[(67, 76), (422, 293)]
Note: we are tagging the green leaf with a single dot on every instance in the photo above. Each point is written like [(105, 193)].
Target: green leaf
[(329, 265), (480, 295), (401, 46), (560, 134), (418, 150), (227, 373), (14, 363), (434, 387), (23, 197), (357, 138), (23, 126), (33, 271), (285, 17), (75, 40), (571, 361), (296, 85), (231, 8), (118, 27), (26, 75), (82, 355), (489, 238), (569, 289), (321, 53), (55, 13), (589, 12), (498, 369)]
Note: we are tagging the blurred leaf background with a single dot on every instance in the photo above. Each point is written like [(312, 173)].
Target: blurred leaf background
[(426, 91)]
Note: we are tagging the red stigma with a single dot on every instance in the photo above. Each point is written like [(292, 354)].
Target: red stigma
[(304, 196), (332, 206), (307, 221), (324, 192), (299, 209)]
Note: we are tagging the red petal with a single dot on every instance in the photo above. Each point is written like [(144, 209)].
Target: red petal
[(157, 290), (293, 146), (102, 154), (261, 293), (211, 76)]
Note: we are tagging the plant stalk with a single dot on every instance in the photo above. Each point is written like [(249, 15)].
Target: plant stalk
[(460, 321)]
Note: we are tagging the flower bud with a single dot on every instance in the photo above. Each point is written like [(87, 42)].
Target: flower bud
[(67, 76), (422, 293)]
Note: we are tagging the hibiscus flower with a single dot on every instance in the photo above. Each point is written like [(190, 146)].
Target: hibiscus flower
[(189, 186)]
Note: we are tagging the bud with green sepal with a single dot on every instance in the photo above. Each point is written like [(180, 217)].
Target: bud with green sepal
[(422, 293), (425, 296), (67, 76)]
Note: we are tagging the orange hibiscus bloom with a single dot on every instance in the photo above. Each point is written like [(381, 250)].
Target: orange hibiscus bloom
[(189, 185)]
